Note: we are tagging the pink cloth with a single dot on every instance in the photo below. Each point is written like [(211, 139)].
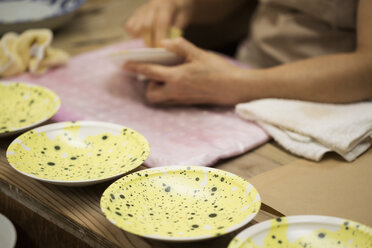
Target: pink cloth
[(91, 87)]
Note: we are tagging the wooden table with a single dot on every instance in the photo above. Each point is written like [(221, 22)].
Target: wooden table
[(54, 216)]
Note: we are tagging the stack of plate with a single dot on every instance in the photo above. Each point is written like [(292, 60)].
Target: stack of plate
[(146, 55)]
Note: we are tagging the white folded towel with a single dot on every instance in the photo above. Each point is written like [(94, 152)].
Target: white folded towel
[(310, 129)]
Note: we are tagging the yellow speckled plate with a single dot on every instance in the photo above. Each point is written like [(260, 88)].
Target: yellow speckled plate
[(77, 153), (23, 106), (180, 203), (301, 231)]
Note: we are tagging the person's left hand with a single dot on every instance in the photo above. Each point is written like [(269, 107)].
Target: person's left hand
[(204, 78)]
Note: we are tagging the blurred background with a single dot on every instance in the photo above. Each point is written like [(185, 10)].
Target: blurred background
[(108, 18)]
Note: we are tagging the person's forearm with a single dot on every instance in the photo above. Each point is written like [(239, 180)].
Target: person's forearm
[(209, 11), (333, 78)]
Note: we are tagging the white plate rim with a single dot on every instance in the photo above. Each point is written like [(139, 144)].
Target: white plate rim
[(61, 125), (156, 55), (142, 50), (294, 219), (45, 18), (248, 219), (18, 130), (12, 229)]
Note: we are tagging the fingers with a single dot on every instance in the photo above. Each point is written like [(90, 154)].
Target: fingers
[(182, 48), (141, 24), (152, 22), (162, 23), (132, 27), (147, 29), (155, 92), (135, 24), (159, 94), (181, 21), (147, 37), (151, 71)]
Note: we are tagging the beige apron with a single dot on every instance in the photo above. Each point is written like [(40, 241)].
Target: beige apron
[(287, 30)]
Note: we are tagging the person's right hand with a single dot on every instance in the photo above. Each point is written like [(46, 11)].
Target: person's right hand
[(204, 78), (153, 21)]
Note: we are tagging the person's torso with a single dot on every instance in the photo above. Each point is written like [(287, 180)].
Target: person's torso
[(283, 31)]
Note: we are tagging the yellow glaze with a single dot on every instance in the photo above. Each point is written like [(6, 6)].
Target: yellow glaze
[(349, 235), (174, 32), (24, 105), (180, 203), (70, 157)]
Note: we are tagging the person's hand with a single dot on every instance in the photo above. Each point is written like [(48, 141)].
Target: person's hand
[(204, 78), (153, 21)]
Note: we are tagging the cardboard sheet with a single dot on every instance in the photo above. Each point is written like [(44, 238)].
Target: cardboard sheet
[(331, 187)]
